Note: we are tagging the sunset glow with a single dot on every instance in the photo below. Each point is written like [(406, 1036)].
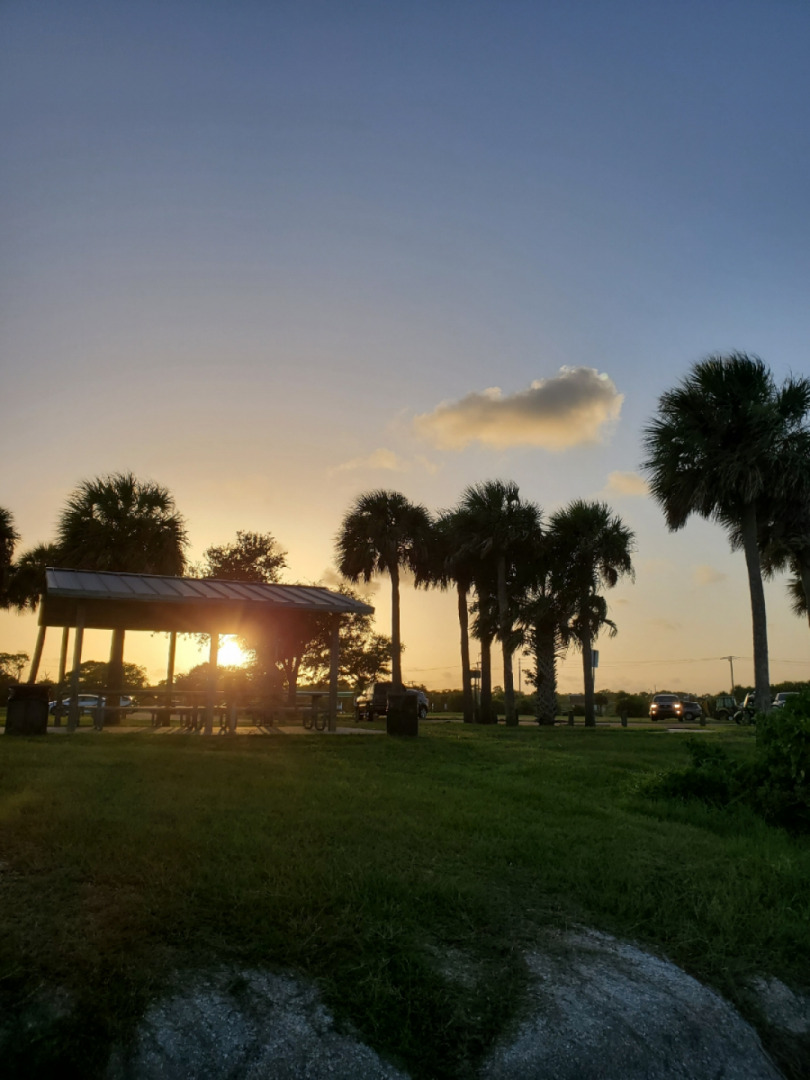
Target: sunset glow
[(293, 253), (231, 654)]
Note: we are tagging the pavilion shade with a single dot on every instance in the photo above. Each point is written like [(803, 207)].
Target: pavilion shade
[(187, 605)]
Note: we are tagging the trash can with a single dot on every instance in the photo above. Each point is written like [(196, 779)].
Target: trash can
[(27, 709), (402, 717)]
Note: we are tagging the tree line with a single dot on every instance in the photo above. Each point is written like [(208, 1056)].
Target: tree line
[(727, 444)]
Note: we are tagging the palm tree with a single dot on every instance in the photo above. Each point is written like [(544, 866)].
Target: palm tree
[(119, 523), (545, 615), (798, 597), (381, 534), (451, 563), (599, 550), (714, 449), (500, 529), (27, 579), (484, 630), (8, 541), (784, 529)]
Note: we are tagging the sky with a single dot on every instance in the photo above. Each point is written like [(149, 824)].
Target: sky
[(275, 255)]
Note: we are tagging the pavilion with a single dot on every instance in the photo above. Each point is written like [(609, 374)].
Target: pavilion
[(88, 600)]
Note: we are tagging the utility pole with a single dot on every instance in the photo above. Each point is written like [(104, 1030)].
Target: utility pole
[(731, 660)]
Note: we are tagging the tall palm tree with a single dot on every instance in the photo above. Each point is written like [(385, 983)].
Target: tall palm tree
[(8, 541), (784, 528), (120, 523), (27, 579), (484, 629), (714, 449), (599, 550), (500, 529), (451, 563), (545, 615), (382, 534)]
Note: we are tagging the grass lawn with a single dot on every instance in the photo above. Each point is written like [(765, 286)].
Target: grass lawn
[(405, 876)]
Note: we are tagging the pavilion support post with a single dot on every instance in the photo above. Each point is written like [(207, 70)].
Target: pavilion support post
[(115, 678), (32, 674), (63, 654), (334, 660), (211, 690), (60, 689), (78, 639), (170, 677)]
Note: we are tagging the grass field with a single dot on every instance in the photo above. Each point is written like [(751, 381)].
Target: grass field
[(365, 863)]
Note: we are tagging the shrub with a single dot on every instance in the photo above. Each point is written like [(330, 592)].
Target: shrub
[(783, 748), (635, 705), (776, 784)]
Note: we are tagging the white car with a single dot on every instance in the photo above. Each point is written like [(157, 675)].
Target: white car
[(780, 699)]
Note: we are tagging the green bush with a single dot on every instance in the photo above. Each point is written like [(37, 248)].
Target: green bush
[(635, 705), (776, 784), (783, 747)]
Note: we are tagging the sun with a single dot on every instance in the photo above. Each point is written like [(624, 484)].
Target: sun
[(231, 654)]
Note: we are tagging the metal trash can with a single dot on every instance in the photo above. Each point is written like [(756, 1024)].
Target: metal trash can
[(402, 717), (27, 709)]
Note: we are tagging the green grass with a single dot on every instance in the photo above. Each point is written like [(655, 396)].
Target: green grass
[(364, 863)]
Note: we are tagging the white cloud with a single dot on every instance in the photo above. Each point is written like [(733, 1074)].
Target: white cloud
[(385, 459), (578, 406), (626, 483), (707, 575)]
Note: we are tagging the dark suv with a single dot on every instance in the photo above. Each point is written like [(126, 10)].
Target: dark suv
[(664, 705), (376, 704)]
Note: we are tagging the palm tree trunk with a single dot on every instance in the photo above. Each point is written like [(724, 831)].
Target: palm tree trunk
[(115, 677), (396, 650), (466, 680), (762, 681), (486, 716), (587, 671), (545, 675), (505, 632)]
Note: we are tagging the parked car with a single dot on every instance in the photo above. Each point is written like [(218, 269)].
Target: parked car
[(780, 699), (89, 702), (691, 710), (664, 705), (376, 703)]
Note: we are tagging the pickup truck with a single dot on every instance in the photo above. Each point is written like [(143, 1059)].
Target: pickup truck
[(375, 703)]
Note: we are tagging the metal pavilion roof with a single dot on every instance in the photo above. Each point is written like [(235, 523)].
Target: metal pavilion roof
[(153, 602)]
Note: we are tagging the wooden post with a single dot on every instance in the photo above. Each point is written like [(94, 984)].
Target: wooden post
[(334, 658), (63, 655), (32, 675), (60, 688), (212, 684), (78, 638), (170, 677)]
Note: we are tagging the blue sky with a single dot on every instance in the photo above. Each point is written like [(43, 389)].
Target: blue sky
[(246, 245)]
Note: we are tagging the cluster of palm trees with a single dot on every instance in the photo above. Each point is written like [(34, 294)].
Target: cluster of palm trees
[(727, 444), (731, 446), (117, 523), (527, 583)]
